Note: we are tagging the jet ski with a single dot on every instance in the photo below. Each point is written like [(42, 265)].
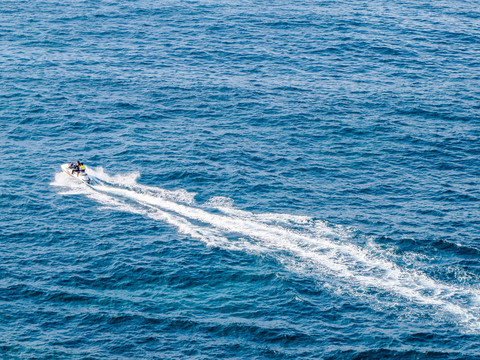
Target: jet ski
[(81, 175)]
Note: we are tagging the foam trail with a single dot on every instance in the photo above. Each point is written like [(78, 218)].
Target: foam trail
[(110, 202), (130, 180), (298, 242)]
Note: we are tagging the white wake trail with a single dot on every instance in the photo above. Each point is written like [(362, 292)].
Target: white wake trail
[(298, 241)]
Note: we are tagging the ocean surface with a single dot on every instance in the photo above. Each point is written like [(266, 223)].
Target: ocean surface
[(272, 179)]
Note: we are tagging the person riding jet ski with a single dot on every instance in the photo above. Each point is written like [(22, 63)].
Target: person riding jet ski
[(77, 170), (75, 167)]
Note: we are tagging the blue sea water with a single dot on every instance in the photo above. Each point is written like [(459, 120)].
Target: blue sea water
[(273, 179)]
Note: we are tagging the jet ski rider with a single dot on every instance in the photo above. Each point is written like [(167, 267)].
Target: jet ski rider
[(77, 168)]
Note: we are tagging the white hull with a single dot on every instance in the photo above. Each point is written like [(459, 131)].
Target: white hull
[(79, 175)]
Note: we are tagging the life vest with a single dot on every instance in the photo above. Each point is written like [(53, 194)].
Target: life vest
[(82, 167)]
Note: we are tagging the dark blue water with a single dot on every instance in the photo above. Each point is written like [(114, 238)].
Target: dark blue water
[(273, 180)]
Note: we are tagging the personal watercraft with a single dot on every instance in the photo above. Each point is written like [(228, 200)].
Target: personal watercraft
[(71, 171)]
